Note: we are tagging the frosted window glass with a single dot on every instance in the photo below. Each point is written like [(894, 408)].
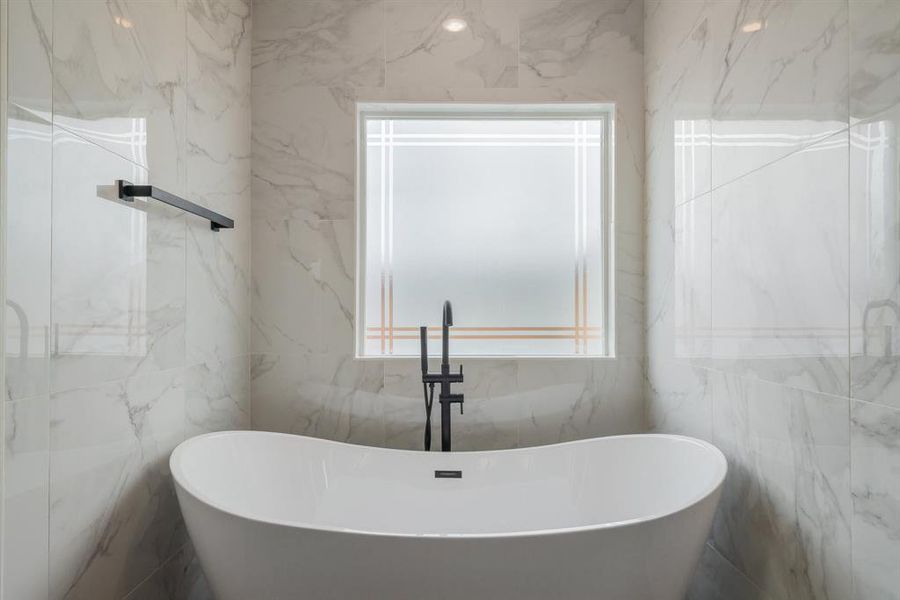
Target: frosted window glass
[(504, 217)]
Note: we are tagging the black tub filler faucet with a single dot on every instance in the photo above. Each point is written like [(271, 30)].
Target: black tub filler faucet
[(445, 378)]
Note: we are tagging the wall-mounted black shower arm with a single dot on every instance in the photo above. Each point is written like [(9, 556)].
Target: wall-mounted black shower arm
[(128, 192)]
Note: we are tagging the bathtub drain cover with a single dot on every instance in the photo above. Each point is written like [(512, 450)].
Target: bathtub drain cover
[(448, 474)]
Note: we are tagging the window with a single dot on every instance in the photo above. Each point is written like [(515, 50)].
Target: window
[(502, 209)]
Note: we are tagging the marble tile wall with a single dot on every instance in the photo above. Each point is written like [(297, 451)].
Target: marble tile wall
[(312, 61), (772, 282), (127, 326)]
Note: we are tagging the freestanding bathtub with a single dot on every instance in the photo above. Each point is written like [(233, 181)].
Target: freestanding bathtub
[(279, 517)]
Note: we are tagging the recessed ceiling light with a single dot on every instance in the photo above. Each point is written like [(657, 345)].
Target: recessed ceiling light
[(454, 25), (123, 22), (753, 27)]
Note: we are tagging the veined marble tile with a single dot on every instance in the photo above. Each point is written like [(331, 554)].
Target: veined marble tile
[(659, 289), (420, 52), (693, 279), (875, 259), (114, 517), (677, 399), (679, 297), (218, 161), (217, 318), (680, 48), (679, 59), (218, 90), (784, 517), (492, 411), (312, 308), (875, 469), (285, 316), (678, 52), (26, 498), (304, 151), (874, 57), (118, 80), (180, 578), (782, 81), (336, 242), (564, 400), (28, 212), (30, 35), (118, 300), (331, 397), (780, 269), (404, 405), (317, 43), (582, 44), (718, 579), (629, 288), (217, 396), (557, 401)]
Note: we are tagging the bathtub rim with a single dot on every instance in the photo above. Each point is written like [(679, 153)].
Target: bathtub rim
[(180, 479)]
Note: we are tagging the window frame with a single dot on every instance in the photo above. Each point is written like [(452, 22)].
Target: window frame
[(602, 111)]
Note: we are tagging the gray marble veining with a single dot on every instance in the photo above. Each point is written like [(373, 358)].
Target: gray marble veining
[(217, 396), (680, 59), (874, 57), (317, 43), (332, 397), (113, 514), (218, 164), (30, 47), (306, 159), (566, 400), (26, 498), (116, 85), (319, 256), (784, 517), (581, 44), (420, 52), (678, 399), (782, 80), (875, 466)]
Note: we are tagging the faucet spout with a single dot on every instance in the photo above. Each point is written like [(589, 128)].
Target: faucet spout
[(448, 314), (445, 337)]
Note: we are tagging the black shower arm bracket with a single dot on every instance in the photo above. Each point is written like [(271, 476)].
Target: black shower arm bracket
[(129, 191)]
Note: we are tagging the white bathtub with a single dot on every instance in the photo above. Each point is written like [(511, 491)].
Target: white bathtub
[(276, 516)]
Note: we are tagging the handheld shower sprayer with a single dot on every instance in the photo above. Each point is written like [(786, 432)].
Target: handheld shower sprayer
[(427, 388)]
